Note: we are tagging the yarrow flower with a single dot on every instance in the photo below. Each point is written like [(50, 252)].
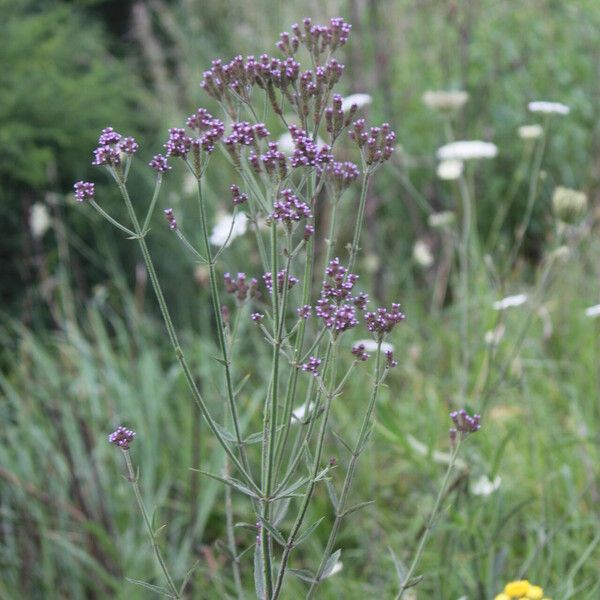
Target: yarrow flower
[(227, 228), (568, 205), (84, 190), (312, 366), (441, 219), (463, 424), (521, 589), (358, 100), (122, 437), (449, 170), (484, 486), (549, 107), (530, 132), (593, 311), (300, 413), (510, 301), (422, 254), (170, 218), (467, 150), (445, 101)]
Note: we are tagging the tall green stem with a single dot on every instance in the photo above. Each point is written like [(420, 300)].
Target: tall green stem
[(132, 477), (359, 221)]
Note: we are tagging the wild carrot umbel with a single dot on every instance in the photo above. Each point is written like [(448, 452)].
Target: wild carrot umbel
[(304, 315)]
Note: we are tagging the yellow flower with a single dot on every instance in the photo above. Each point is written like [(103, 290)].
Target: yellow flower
[(502, 597), (517, 589), (535, 592)]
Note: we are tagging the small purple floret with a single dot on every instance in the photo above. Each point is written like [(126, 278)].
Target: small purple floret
[(122, 437), (84, 190)]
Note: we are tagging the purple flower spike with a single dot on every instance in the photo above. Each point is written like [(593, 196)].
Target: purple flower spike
[(129, 146), (305, 312), (84, 190), (159, 163), (237, 196), (170, 218), (390, 363), (383, 320), (359, 352), (290, 209), (464, 424), (122, 437), (312, 366)]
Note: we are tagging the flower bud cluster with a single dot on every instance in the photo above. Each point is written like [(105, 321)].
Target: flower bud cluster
[(273, 162), (376, 145), (281, 276), (383, 320), (206, 129), (341, 175), (84, 190), (122, 437), (240, 287), (237, 196), (336, 119), (316, 38), (159, 163), (289, 209), (111, 144), (170, 218), (359, 352), (312, 366), (246, 134), (463, 424), (307, 153)]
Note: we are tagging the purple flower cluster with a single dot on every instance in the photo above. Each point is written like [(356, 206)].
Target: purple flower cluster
[(305, 312), (159, 163), (383, 320), (316, 38), (237, 196), (289, 209), (281, 277), (390, 363), (342, 175), (273, 161), (84, 190), (336, 306), (110, 146), (170, 218), (122, 437), (306, 151), (309, 231), (240, 287), (377, 144), (463, 424), (206, 129), (312, 366), (236, 78), (359, 352), (257, 317), (246, 134), (335, 118)]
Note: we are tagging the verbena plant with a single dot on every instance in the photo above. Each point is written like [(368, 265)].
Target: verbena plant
[(304, 310)]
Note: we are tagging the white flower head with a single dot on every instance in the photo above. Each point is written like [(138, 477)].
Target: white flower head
[(39, 220), (445, 101), (593, 311), (485, 486), (422, 254), (361, 100), (300, 413), (494, 336), (449, 170), (510, 301), (227, 228), (371, 346), (439, 220), (549, 108), (530, 132), (286, 143), (467, 150)]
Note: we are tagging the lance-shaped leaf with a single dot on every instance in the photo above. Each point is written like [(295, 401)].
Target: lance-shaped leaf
[(331, 562), (356, 507), (305, 534), (259, 576), (153, 588), (273, 531), (234, 483), (289, 491), (303, 574)]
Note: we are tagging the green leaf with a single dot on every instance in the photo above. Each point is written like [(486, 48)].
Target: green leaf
[(303, 574), (153, 588), (356, 507), (225, 433), (341, 441), (280, 508), (230, 481), (273, 531), (288, 491), (331, 562), (332, 494), (303, 536), (188, 576)]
